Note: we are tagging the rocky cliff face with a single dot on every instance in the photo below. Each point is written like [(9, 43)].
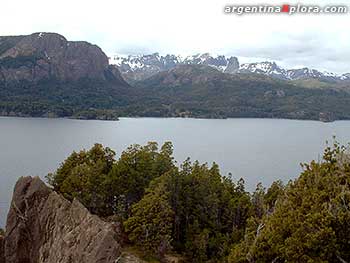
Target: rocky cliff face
[(44, 75), (42, 226), (49, 55)]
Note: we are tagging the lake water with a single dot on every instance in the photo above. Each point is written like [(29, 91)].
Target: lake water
[(259, 150)]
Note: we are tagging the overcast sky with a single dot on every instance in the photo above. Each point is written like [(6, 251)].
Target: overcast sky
[(189, 27)]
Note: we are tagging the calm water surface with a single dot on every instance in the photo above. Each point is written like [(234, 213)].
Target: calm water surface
[(259, 150)]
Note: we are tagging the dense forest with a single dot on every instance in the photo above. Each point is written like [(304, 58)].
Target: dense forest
[(194, 211), (202, 91), (83, 99), (185, 91)]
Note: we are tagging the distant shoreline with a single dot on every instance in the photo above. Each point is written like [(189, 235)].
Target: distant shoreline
[(155, 117)]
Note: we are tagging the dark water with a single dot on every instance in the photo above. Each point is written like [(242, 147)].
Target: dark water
[(259, 150)]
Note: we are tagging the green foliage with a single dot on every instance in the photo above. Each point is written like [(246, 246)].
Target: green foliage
[(191, 209), (240, 252), (310, 222), (194, 91), (209, 211), (131, 175), (270, 198), (199, 91), (195, 211), (83, 175), (96, 114), (258, 200), (106, 186), (151, 222), (2, 232), (82, 99)]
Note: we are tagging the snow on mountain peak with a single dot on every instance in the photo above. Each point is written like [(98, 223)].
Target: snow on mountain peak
[(146, 65), (266, 68)]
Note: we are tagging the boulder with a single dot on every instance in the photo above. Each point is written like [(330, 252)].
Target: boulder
[(42, 226)]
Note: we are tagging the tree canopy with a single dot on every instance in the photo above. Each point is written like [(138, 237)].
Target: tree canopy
[(193, 210), (311, 217)]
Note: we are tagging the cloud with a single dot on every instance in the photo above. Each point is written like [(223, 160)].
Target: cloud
[(185, 27)]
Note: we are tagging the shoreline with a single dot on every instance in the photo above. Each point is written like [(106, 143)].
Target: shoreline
[(154, 117)]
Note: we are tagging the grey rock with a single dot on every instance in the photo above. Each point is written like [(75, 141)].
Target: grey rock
[(49, 55), (42, 226), (232, 66)]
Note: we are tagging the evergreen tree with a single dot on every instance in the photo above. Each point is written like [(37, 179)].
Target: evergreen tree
[(310, 221), (133, 172), (82, 176), (151, 222)]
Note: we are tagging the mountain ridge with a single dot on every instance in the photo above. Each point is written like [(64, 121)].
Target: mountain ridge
[(205, 92), (45, 75), (135, 68), (52, 56)]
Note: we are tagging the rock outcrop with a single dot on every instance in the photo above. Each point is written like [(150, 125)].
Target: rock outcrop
[(42, 226), (45, 75), (50, 56)]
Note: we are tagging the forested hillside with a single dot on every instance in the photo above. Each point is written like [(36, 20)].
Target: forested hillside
[(45, 75), (194, 211), (202, 91)]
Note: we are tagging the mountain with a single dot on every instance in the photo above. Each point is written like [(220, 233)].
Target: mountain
[(43, 74), (273, 70), (49, 55), (136, 68), (266, 68), (227, 65), (202, 91)]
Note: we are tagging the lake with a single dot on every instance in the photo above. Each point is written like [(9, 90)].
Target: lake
[(258, 150)]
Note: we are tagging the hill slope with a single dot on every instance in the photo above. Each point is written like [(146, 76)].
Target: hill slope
[(202, 91)]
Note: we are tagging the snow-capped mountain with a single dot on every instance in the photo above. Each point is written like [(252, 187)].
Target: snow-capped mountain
[(273, 70), (135, 68), (306, 73), (345, 76), (266, 68), (227, 65)]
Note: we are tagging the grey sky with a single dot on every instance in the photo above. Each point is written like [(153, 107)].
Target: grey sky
[(188, 27)]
